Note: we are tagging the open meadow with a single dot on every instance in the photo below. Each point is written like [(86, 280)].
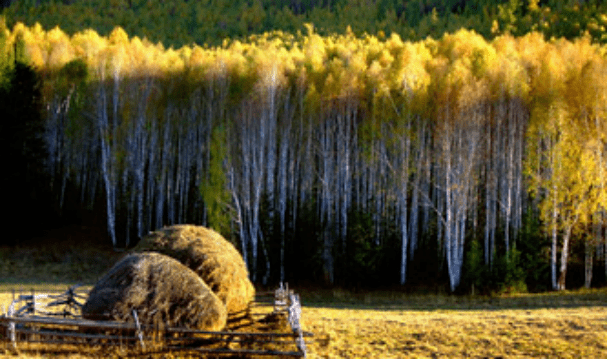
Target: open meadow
[(389, 325), (378, 324)]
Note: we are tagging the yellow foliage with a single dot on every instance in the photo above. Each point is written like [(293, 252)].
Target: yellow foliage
[(315, 54), (461, 68), (34, 39), (562, 84), (88, 45), (508, 77), (59, 50), (118, 36)]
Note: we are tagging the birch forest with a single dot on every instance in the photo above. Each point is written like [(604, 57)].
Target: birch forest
[(340, 159)]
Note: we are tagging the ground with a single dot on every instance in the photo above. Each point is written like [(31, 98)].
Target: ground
[(572, 325), (379, 324)]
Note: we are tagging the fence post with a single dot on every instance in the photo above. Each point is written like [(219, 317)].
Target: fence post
[(139, 334), (11, 326), (294, 316), (280, 299)]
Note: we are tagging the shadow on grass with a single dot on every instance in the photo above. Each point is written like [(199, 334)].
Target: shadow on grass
[(395, 301), (58, 259), (43, 286)]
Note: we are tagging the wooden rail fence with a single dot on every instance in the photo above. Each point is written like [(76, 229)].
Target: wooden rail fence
[(35, 318)]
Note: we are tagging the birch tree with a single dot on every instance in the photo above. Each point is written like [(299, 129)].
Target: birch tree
[(108, 168)]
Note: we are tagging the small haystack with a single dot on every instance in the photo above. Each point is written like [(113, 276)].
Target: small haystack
[(160, 289), (211, 256)]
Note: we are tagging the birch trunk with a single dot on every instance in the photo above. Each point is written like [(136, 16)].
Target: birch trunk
[(417, 172), (106, 160), (401, 164), (163, 185), (326, 203), (404, 236), (285, 167), (140, 158), (489, 197), (282, 195), (151, 175), (564, 258), (554, 243), (448, 237), (589, 257)]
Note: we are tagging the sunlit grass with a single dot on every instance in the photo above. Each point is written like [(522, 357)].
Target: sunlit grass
[(525, 326)]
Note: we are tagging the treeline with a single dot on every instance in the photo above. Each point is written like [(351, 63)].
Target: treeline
[(344, 159), (179, 22)]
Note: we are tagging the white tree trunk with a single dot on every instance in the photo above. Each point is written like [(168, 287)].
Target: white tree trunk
[(564, 258), (106, 158)]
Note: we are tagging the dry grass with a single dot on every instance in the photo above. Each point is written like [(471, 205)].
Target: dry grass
[(543, 326), (393, 325), (211, 256), (43, 351)]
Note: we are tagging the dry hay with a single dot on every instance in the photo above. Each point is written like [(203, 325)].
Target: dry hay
[(211, 256), (160, 289)]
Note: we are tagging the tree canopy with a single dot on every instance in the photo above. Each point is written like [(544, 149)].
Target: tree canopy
[(178, 22)]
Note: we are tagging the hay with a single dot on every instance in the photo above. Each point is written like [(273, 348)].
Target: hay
[(211, 256), (160, 289)]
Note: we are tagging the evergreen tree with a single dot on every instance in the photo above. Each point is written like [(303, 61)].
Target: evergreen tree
[(23, 152)]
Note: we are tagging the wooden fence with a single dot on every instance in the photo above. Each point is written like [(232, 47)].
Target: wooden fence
[(36, 318)]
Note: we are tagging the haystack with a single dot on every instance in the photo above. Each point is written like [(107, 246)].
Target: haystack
[(211, 256), (160, 289)]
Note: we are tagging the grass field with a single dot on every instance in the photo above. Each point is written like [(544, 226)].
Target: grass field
[(380, 324), (572, 325)]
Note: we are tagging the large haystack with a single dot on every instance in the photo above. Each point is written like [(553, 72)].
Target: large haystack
[(160, 289), (211, 256)]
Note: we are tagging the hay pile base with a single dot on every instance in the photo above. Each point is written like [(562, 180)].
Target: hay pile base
[(211, 256), (160, 289)]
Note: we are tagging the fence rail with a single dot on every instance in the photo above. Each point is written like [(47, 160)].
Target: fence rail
[(34, 319)]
